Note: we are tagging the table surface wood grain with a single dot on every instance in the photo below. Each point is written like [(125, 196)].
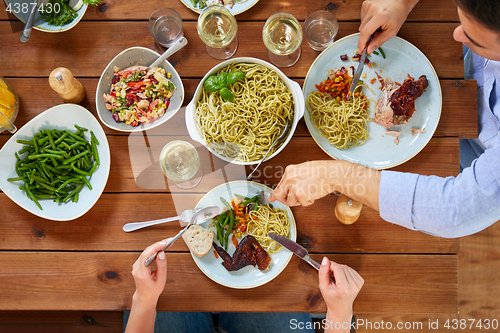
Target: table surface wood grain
[(85, 264)]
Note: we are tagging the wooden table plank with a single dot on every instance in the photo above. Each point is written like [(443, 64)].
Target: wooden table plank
[(102, 282), (318, 230), (132, 169), (61, 321), (458, 117), (441, 11), (91, 45)]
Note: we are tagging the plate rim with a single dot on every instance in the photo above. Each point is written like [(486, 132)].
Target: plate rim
[(431, 135), (138, 128), (292, 220), (107, 150), (198, 11), (68, 26)]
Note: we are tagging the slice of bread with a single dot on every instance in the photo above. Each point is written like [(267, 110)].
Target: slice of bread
[(199, 240)]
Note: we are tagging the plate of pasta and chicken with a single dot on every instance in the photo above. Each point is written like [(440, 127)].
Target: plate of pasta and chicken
[(243, 256), (393, 112)]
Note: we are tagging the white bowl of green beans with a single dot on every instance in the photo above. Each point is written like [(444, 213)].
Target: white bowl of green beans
[(57, 165)]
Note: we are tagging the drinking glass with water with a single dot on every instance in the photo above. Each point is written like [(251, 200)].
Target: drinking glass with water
[(165, 24)]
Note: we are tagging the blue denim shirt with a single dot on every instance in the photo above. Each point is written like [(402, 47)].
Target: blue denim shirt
[(462, 205)]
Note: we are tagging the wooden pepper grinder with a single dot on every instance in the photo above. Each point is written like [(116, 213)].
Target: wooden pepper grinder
[(64, 83), (347, 210)]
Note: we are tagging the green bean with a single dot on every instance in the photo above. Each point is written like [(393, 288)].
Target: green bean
[(31, 196), (382, 52), (73, 192), (32, 157), (61, 138), (96, 154), (81, 172), (15, 179), (219, 231), (68, 161), (76, 137), (93, 138), (25, 142), (228, 232), (252, 199), (49, 134), (225, 221), (83, 129)]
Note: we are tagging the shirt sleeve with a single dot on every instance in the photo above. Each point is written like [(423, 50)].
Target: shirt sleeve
[(445, 207)]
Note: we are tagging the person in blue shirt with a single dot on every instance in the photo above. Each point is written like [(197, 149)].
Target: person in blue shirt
[(339, 295), (444, 207)]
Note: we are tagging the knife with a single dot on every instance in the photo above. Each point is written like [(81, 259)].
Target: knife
[(359, 71), (295, 248)]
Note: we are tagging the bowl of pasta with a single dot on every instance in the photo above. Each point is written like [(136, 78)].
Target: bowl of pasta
[(242, 131)]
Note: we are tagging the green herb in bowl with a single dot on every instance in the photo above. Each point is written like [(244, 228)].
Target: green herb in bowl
[(220, 82)]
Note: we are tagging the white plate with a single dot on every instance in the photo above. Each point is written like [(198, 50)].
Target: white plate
[(131, 57), (38, 22), (248, 277), (60, 117), (238, 8), (379, 151)]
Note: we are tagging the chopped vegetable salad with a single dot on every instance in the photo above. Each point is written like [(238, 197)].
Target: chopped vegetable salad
[(139, 95)]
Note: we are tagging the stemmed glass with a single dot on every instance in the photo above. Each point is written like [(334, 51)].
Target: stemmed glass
[(217, 29), (282, 36)]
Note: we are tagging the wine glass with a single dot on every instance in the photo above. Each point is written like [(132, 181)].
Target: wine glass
[(180, 163), (282, 36), (217, 28)]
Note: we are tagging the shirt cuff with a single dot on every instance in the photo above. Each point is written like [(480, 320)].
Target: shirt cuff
[(396, 193)]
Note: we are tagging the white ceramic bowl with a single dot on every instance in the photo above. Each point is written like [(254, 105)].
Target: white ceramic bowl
[(294, 87), (60, 117), (38, 22), (131, 57)]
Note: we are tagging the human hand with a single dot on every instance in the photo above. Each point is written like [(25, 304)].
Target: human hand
[(389, 15), (149, 284), (303, 183), (339, 293)]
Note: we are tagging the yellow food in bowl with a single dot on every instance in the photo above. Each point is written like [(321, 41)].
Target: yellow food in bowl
[(7, 100)]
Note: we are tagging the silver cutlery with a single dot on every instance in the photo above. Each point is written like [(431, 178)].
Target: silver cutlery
[(185, 216)]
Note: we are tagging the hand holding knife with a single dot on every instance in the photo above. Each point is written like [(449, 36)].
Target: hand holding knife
[(361, 65), (297, 249)]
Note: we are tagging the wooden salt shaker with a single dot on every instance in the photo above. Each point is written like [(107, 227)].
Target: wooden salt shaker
[(347, 210), (64, 83)]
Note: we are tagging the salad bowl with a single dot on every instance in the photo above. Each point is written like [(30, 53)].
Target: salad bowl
[(132, 57)]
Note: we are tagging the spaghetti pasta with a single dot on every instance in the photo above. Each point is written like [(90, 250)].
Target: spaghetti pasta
[(245, 129), (266, 220), (343, 123)]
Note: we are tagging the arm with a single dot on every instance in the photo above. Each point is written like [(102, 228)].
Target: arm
[(303, 183), (339, 294), (149, 285), (445, 207), (387, 14)]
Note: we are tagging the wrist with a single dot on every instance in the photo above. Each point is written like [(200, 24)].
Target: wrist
[(143, 301), (338, 317)]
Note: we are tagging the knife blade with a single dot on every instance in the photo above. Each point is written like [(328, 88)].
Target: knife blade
[(296, 248), (359, 70)]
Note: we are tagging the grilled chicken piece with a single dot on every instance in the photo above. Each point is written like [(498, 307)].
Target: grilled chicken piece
[(248, 252), (397, 104)]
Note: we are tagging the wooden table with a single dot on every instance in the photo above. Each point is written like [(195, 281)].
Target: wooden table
[(85, 264)]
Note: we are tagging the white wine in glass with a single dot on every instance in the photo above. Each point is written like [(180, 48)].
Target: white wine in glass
[(217, 28), (180, 162), (282, 36)]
